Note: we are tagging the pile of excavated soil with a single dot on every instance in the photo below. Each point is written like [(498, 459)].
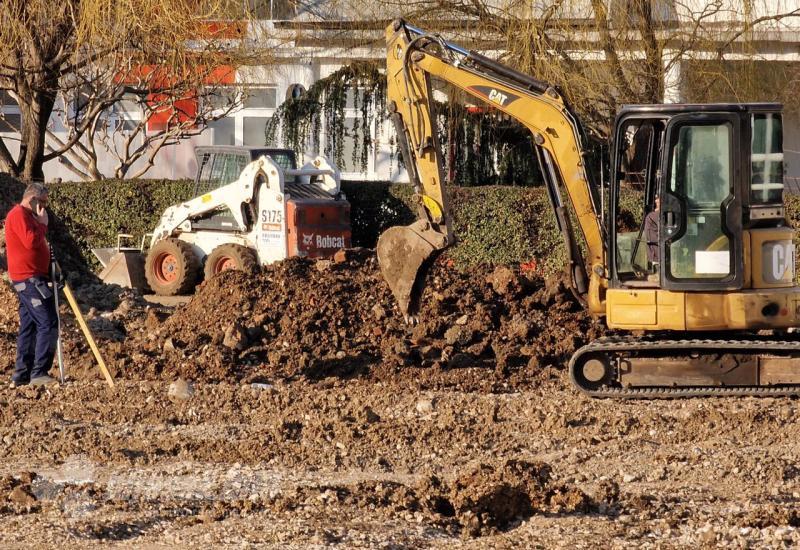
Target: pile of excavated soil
[(490, 497), (490, 328)]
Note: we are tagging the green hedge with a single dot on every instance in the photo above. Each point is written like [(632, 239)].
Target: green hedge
[(494, 224), (95, 212)]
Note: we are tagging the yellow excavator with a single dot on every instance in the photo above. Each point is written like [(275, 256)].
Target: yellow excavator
[(702, 263)]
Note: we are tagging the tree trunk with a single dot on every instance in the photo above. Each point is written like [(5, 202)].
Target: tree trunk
[(36, 107), (653, 76)]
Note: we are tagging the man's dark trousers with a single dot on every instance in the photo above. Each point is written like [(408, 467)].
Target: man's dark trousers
[(38, 330)]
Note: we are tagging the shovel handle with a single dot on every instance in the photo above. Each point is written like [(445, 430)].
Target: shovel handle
[(88, 334)]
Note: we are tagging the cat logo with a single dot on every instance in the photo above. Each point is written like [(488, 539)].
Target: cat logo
[(308, 240), (494, 96), (497, 97), (782, 260)]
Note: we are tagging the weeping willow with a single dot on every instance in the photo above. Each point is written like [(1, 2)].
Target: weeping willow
[(300, 123), (480, 146)]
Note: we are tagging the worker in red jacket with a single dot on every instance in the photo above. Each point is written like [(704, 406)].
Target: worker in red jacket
[(28, 267)]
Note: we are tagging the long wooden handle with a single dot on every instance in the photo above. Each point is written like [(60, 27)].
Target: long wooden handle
[(88, 334)]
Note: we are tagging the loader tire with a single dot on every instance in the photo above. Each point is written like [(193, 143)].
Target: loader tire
[(230, 256), (172, 268)]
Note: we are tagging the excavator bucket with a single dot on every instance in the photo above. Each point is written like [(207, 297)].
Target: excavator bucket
[(123, 267), (405, 256)]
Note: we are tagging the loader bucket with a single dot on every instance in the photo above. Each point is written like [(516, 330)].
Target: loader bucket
[(404, 257), (123, 267)]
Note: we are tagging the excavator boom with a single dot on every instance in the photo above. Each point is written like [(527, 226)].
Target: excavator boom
[(413, 58), (705, 247)]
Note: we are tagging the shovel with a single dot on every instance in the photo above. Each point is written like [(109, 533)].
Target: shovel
[(59, 343), (73, 303)]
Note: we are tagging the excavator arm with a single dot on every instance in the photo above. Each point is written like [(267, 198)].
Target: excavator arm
[(405, 253)]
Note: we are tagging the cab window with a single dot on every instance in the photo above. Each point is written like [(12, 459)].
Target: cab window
[(701, 179), (766, 159)]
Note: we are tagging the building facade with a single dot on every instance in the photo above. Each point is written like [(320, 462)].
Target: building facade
[(308, 50)]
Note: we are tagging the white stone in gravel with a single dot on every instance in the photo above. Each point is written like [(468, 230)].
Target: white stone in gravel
[(169, 345), (181, 390), (630, 478), (782, 532), (706, 533), (425, 406)]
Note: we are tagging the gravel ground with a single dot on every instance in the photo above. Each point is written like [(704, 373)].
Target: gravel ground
[(350, 464), (293, 409)]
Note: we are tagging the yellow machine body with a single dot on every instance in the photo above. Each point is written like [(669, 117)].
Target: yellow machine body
[(771, 299), (688, 238)]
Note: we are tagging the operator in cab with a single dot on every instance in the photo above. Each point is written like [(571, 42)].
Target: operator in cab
[(651, 236)]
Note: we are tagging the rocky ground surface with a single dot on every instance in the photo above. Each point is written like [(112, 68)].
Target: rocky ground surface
[(293, 409)]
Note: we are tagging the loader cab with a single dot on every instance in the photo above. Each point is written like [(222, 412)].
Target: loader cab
[(220, 165), (718, 172)]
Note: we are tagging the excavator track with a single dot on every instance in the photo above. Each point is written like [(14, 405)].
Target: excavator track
[(619, 353)]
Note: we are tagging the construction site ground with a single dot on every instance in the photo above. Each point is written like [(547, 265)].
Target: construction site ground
[(295, 409)]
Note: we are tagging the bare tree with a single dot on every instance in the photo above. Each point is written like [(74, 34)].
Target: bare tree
[(80, 59), (126, 119), (603, 53)]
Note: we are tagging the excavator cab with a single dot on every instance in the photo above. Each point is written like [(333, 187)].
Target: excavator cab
[(718, 172)]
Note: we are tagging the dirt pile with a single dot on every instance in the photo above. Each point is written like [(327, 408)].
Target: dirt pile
[(302, 318), (487, 497)]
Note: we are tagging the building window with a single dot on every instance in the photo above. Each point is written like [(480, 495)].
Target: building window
[(10, 117), (253, 130), (354, 98), (273, 9), (352, 145), (6, 100), (220, 98), (353, 137), (223, 131), (246, 124), (127, 113), (261, 98), (10, 123)]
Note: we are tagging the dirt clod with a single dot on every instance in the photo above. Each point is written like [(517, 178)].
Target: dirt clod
[(235, 337), (22, 496)]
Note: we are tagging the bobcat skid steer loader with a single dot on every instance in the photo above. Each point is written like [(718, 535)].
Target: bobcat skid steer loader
[(270, 211)]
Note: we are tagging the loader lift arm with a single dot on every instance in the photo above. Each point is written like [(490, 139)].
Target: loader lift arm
[(413, 58)]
